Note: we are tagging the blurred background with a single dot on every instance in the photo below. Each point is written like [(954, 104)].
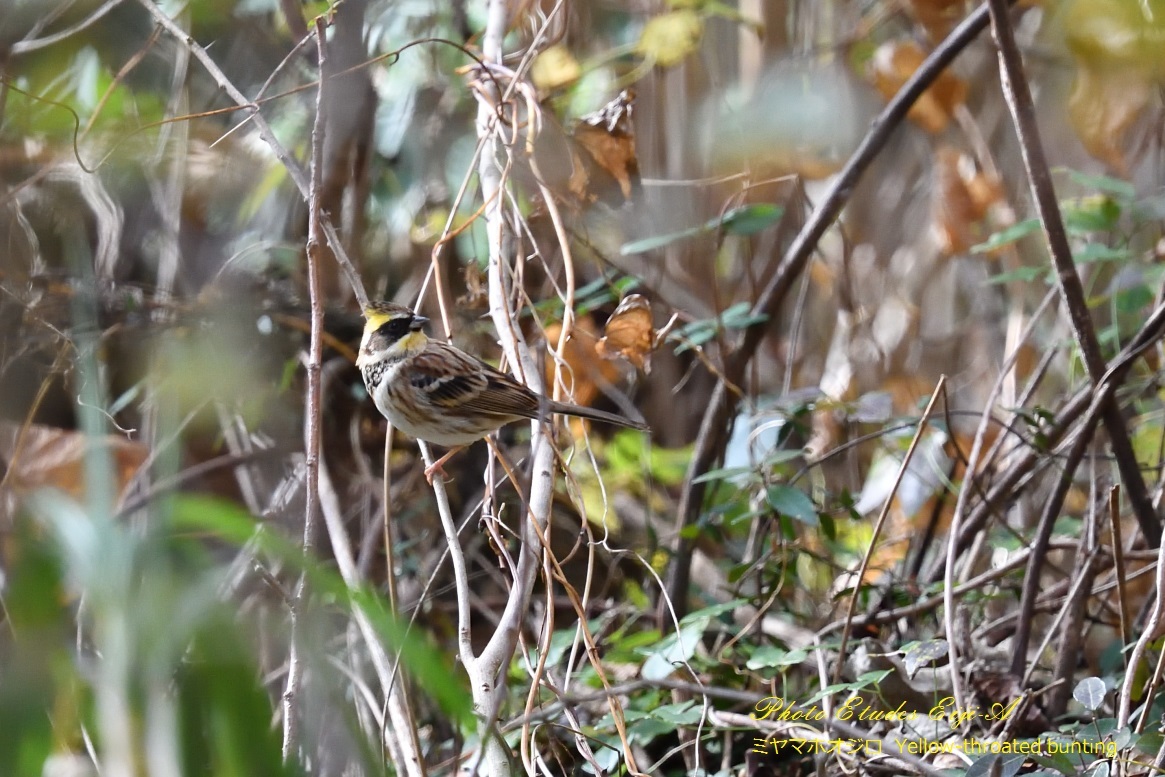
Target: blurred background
[(154, 323)]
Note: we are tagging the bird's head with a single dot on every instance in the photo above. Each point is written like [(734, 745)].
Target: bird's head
[(391, 332)]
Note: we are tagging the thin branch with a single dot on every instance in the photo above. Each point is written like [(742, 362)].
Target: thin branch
[(1154, 626), (1019, 101), (939, 390), (1039, 549), (315, 246), (36, 44), (1083, 401), (294, 169), (456, 560)]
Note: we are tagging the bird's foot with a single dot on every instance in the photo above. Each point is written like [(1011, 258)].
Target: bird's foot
[(437, 468)]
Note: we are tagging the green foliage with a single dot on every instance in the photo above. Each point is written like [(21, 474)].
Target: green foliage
[(696, 333), (171, 648), (743, 221)]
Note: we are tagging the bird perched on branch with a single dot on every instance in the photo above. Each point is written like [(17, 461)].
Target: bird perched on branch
[(436, 392)]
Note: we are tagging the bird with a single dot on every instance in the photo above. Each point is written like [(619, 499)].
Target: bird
[(434, 391)]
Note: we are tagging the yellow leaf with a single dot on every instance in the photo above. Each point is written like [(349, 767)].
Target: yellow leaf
[(555, 67), (1103, 105), (1117, 45), (1117, 34), (669, 38)]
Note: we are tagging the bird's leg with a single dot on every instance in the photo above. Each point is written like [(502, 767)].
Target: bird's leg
[(436, 469)]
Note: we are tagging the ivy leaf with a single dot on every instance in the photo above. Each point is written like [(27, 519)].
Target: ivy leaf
[(1090, 693)]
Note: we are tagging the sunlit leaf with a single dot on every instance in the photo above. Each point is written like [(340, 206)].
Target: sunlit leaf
[(554, 67), (1090, 692), (668, 39), (669, 655), (1092, 214)]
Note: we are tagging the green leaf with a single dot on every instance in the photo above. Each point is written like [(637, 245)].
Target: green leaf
[(1098, 252), (1133, 300), (777, 458), (672, 651), (745, 220), (1092, 214), (659, 241), (1090, 693), (773, 657), (866, 680), (704, 615), (684, 713), (724, 473), (789, 501), (1102, 183), (1024, 274), (1150, 742), (739, 316), (750, 219), (1007, 236), (430, 667)]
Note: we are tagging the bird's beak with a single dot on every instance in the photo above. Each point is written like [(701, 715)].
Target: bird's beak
[(418, 322)]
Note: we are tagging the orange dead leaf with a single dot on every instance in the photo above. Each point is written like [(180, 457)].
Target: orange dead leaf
[(630, 333), (49, 457), (962, 197), (584, 371), (937, 17), (604, 144), (893, 63)]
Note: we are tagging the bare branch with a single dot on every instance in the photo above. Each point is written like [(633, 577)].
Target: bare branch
[(315, 245)]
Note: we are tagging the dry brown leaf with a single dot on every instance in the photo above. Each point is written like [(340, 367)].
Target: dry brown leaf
[(937, 17), (894, 62), (49, 457), (630, 333), (605, 147), (584, 370), (962, 196)]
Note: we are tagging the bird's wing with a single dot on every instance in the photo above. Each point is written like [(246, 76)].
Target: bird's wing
[(457, 382)]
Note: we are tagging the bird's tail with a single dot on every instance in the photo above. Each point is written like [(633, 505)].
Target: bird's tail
[(596, 415)]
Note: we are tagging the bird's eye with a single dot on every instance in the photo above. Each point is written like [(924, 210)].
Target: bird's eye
[(396, 328)]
